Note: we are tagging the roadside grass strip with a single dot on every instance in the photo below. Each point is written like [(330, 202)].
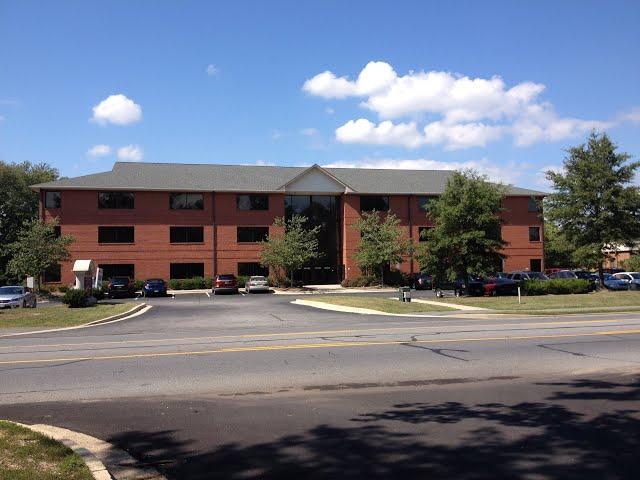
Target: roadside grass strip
[(384, 305), (26, 455), (599, 302), (59, 315)]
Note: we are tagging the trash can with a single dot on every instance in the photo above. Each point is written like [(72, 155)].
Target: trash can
[(404, 294)]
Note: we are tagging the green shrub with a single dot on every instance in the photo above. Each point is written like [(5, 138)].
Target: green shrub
[(105, 285), (174, 284), (63, 289), (632, 264), (208, 283), (361, 281), (98, 293), (138, 284), (556, 286), (534, 287), (198, 282), (75, 298), (45, 290), (242, 280)]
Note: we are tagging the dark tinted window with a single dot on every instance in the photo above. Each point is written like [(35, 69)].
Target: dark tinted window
[(186, 235), (53, 200), (155, 281), (424, 201), (119, 200), (252, 234), (226, 277), (422, 233), (252, 268), (534, 205), (369, 203), (534, 234), (119, 280), (115, 234), (535, 265), (52, 274), (186, 201), (187, 270), (110, 270), (253, 202)]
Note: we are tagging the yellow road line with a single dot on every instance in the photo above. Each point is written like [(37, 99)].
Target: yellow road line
[(409, 328), (315, 345)]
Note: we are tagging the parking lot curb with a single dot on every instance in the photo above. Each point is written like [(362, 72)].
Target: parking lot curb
[(104, 460), (139, 309), (364, 311)]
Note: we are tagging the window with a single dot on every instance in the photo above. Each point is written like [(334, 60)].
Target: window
[(422, 233), (252, 234), (110, 270), (534, 205), (252, 268), (186, 270), (369, 203), (186, 201), (52, 274), (115, 234), (252, 202), (52, 200), (535, 265), (118, 200), (534, 234), (186, 235), (424, 201)]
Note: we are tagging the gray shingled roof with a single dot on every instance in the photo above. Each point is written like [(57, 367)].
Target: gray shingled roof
[(251, 178)]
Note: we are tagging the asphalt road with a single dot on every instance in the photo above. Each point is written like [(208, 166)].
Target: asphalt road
[(254, 387)]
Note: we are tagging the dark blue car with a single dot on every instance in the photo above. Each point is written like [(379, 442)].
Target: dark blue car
[(154, 287)]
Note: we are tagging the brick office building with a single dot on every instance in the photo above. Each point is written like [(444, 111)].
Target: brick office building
[(165, 220)]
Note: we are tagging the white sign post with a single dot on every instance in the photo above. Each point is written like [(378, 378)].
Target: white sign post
[(30, 283), (518, 295), (98, 281)]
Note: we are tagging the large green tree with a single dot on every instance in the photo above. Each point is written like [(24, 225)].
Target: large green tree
[(558, 250), (292, 247), (382, 242), (37, 249), (466, 238), (18, 203), (595, 203)]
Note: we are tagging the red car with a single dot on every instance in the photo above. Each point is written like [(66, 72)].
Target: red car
[(500, 286), (225, 283)]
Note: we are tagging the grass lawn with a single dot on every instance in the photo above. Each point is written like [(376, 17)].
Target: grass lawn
[(26, 455), (603, 301), (58, 316), (375, 303)]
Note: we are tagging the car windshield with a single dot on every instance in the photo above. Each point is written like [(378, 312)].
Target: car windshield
[(538, 275), (10, 290), (635, 276), (226, 277), (257, 279), (119, 281)]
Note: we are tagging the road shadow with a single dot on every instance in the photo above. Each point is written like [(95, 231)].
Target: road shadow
[(537, 440)]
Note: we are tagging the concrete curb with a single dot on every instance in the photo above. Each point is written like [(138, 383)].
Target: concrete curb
[(364, 311), (139, 309), (105, 461), (333, 291)]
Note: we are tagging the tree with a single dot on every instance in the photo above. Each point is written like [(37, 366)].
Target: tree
[(466, 238), (594, 203), (632, 264), (382, 242), (18, 202), (558, 250), (37, 249), (293, 247)]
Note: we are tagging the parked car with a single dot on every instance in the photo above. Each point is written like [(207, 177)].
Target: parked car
[(120, 287), (594, 280), (519, 277), (256, 283), (632, 279), (225, 283), (17, 296), (154, 286), (613, 283), (567, 274), (475, 287), (495, 286), (423, 281)]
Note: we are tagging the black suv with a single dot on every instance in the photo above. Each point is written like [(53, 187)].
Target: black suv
[(120, 287)]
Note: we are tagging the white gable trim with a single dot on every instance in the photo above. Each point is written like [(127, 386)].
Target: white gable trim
[(316, 179)]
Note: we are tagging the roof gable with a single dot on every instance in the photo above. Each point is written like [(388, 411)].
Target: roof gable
[(315, 179)]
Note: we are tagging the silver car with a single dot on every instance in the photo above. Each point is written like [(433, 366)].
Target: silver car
[(15, 296), (256, 284), (632, 279)]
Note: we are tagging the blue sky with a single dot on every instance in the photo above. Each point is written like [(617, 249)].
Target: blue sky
[(503, 87)]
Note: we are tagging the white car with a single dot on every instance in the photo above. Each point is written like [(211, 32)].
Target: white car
[(256, 284), (16, 296), (632, 278)]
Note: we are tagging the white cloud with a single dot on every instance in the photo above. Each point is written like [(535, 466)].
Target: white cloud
[(471, 111), (117, 109), (498, 173), (130, 153), (99, 150), (212, 70), (632, 116), (309, 132)]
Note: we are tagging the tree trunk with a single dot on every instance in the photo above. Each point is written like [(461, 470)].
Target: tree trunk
[(382, 276)]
